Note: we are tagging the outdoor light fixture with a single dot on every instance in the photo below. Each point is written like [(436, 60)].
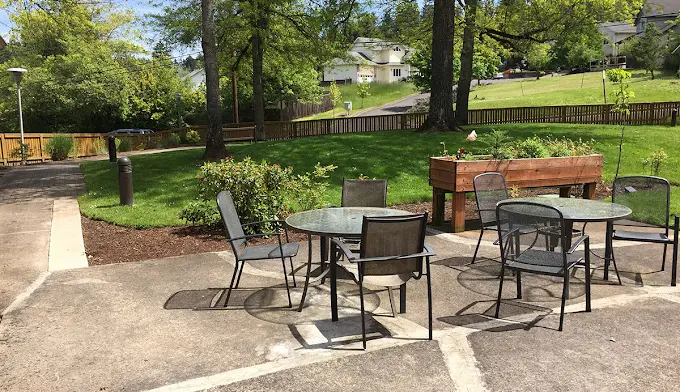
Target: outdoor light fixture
[(18, 73)]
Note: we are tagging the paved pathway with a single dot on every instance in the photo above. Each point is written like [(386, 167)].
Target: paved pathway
[(39, 225)]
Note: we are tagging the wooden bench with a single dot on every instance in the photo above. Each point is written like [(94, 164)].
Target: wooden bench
[(238, 134)]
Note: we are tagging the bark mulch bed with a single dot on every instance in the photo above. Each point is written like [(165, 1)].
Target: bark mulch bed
[(109, 244)]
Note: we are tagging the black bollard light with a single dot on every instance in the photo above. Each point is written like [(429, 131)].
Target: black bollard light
[(674, 117), (112, 149), (125, 181)]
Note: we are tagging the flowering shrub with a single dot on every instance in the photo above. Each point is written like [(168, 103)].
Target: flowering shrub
[(261, 191)]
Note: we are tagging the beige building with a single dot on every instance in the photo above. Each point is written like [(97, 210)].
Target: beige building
[(371, 60)]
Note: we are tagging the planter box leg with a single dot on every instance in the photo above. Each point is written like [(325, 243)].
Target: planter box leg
[(438, 200), (589, 190), (458, 212), (565, 191)]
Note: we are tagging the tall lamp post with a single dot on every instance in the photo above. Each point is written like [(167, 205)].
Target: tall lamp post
[(18, 73)]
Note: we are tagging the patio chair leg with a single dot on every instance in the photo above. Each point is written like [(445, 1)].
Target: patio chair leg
[(565, 294), (663, 262), (616, 269), (429, 298), (519, 284), (285, 277), (361, 300), (393, 306), (309, 271), (238, 279), (479, 241), (292, 272), (500, 290), (587, 260), (402, 298), (231, 284)]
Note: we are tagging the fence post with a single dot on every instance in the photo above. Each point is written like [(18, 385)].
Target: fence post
[(42, 152), (674, 117), (3, 149)]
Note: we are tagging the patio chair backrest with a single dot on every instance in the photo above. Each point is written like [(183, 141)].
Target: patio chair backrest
[(232, 223), (489, 188), (364, 193), (393, 236), (648, 196), (532, 226)]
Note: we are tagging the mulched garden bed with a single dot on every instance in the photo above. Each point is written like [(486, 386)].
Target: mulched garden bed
[(106, 243)]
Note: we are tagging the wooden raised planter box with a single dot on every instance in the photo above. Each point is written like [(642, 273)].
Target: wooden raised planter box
[(452, 176)]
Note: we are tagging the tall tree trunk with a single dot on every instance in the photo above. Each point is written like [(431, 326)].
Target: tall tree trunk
[(214, 145), (441, 117), (466, 55), (258, 89)]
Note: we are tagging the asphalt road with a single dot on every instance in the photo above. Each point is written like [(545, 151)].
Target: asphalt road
[(404, 104)]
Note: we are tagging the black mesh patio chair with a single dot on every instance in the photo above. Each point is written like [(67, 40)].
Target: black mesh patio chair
[(392, 249), (529, 252), (489, 188), (244, 252), (364, 193), (649, 198)]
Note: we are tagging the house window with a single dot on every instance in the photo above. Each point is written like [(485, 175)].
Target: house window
[(396, 49), (396, 72)]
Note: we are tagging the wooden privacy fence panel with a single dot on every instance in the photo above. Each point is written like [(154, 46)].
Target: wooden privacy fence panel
[(85, 144)]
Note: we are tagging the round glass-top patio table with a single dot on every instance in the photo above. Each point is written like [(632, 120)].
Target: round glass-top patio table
[(586, 210), (582, 210), (337, 221), (332, 222)]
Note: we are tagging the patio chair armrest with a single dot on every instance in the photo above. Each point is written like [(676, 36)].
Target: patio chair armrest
[(388, 258), (676, 222), (577, 243), (245, 237), (506, 235), (265, 221), (344, 248), (429, 249)]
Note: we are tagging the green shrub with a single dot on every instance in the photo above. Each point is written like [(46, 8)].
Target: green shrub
[(101, 146), (59, 147), (173, 140), (655, 161), (261, 191), (192, 137), (124, 145), (23, 151), (532, 147)]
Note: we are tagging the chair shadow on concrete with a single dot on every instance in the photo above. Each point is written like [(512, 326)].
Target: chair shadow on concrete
[(479, 315), (337, 335), (205, 299)]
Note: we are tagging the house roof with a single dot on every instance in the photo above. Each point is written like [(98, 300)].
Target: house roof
[(2, 43), (618, 27), (354, 58), (660, 7)]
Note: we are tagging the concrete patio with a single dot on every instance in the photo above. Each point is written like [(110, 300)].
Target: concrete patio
[(132, 327)]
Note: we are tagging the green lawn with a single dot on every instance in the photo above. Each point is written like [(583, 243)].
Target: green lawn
[(567, 90), (381, 93), (164, 182)]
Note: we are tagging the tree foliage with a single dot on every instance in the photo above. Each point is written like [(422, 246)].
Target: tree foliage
[(649, 49), (84, 74)]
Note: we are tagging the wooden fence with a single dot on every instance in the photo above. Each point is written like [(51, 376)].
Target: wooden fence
[(88, 144)]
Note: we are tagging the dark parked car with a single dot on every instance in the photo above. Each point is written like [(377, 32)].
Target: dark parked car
[(130, 131)]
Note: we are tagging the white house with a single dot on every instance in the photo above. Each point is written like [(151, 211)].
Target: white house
[(614, 34), (371, 60), (196, 77)]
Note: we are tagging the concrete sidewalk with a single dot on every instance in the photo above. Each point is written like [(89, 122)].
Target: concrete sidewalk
[(39, 225), (132, 327)]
